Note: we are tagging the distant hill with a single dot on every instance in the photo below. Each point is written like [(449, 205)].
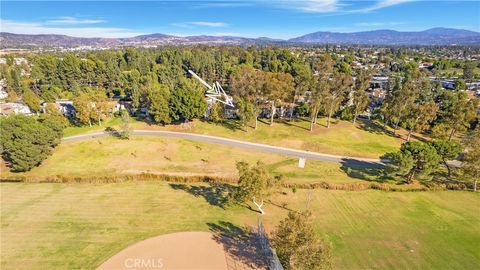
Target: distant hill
[(21, 40), (434, 36)]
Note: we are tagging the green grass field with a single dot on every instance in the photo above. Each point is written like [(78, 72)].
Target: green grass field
[(111, 156), (72, 226), (342, 138)]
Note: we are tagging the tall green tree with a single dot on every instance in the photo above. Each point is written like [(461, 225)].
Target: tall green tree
[(303, 77), (420, 116), (457, 111), (413, 158), (84, 108), (69, 72), (100, 105), (54, 119), (125, 125), (399, 100), (360, 96), (216, 112), (320, 86), (338, 91), (297, 245), (158, 104), (31, 100), (278, 89), (187, 101), (26, 142), (447, 150), (247, 83), (471, 160), (468, 71), (255, 184), (245, 111)]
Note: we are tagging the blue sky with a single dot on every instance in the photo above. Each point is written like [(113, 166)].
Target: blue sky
[(253, 18)]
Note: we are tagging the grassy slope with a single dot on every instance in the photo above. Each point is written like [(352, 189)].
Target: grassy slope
[(343, 138), (110, 156), (68, 226)]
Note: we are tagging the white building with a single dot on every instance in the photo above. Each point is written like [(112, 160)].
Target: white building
[(14, 108)]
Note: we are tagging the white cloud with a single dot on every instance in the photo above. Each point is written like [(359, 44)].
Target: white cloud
[(72, 21), (383, 4), (210, 24), (41, 28), (333, 6), (314, 6)]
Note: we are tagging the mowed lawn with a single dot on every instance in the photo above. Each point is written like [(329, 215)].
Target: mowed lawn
[(364, 139), (110, 156), (72, 226)]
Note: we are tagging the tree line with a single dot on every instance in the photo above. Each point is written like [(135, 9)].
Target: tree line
[(261, 80)]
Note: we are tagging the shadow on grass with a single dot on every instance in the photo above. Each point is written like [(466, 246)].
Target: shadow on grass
[(442, 180), (231, 124), (283, 206), (240, 244), (215, 194), (364, 170), (374, 127), (292, 123)]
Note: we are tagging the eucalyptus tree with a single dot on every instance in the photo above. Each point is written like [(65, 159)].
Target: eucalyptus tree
[(255, 184), (360, 95), (399, 100), (456, 112), (323, 67), (247, 83), (423, 111), (338, 91), (278, 88)]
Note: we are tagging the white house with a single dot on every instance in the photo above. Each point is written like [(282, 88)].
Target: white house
[(14, 108)]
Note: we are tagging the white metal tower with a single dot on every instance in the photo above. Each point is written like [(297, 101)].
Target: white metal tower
[(215, 93)]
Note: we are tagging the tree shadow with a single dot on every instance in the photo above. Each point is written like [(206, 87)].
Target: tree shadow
[(262, 120), (215, 194), (442, 180), (231, 124), (292, 123), (364, 170), (282, 206), (241, 244), (374, 127), (419, 138)]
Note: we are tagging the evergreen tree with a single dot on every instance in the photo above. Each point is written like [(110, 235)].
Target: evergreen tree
[(412, 159), (26, 142), (158, 104), (187, 102), (297, 245), (31, 100)]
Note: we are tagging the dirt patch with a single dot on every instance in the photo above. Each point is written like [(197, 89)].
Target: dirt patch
[(184, 250)]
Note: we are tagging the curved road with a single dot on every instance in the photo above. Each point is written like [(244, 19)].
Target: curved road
[(349, 161)]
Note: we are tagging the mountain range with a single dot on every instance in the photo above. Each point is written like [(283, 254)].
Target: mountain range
[(434, 36)]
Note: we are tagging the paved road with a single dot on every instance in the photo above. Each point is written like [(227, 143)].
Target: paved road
[(349, 161)]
